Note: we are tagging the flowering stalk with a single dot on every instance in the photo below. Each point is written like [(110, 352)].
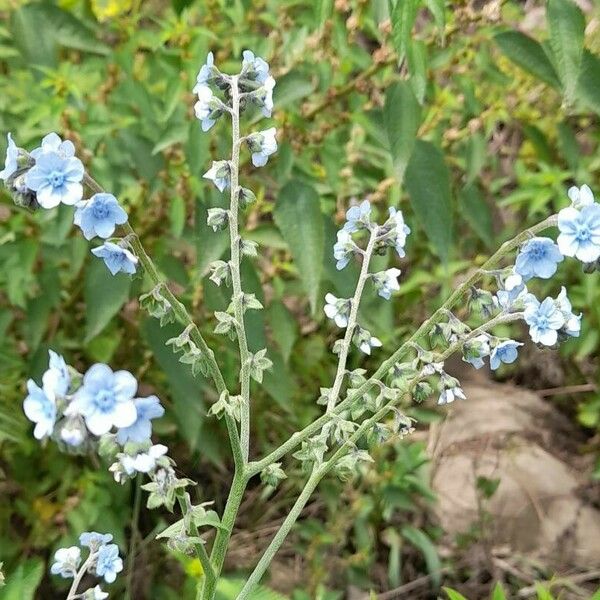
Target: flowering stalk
[(236, 282), (322, 470), (355, 303), (79, 576), (254, 468)]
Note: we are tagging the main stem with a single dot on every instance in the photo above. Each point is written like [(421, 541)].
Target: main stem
[(238, 307), (298, 437), (79, 575), (354, 304)]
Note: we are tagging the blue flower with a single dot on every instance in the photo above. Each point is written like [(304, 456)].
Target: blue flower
[(127, 465), (365, 341), (99, 216), (116, 258), (205, 74), (475, 350), (538, 257), (343, 249), (66, 562), (514, 289), (265, 96), (93, 540), (73, 431), (358, 217), (262, 145), (544, 320), (141, 430), (254, 67), (105, 399), (581, 197), (400, 230), (572, 326), (11, 164), (386, 282), (40, 408), (219, 174), (449, 395), (505, 352), (109, 563), (337, 309), (53, 143), (56, 179), (580, 232), (208, 108)]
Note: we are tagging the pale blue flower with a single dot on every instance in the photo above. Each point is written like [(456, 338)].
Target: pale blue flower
[(66, 562), (580, 232), (581, 197), (386, 282), (343, 249), (105, 399), (53, 143), (219, 174), (358, 217), (140, 431), (544, 320), (572, 326), (505, 352), (262, 145), (99, 216), (40, 408), (539, 257), (475, 350), (109, 562), (337, 309), (56, 179), (11, 164), (400, 231), (57, 377), (73, 431), (265, 96), (205, 74), (514, 290), (254, 67), (366, 341), (116, 258), (127, 465), (207, 108), (93, 540), (449, 395)]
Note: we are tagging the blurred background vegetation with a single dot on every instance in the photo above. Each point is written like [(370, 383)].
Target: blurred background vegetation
[(464, 114)]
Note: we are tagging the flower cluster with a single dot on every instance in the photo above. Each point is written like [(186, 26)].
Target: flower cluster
[(51, 175), (103, 561)]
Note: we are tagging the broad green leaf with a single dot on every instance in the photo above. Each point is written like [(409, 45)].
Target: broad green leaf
[(416, 55), (23, 582), (438, 10), (421, 541), (403, 14), (104, 296), (402, 117), (284, 328), (428, 185), (477, 213), (453, 594), (527, 54), (229, 589), (567, 29), (297, 213), (589, 81), (291, 87)]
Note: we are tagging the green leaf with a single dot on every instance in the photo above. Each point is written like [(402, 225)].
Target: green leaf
[(229, 589), (477, 213), (284, 328), (291, 87), (403, 14), (527, 54), (23, 582), (428, 185), (438, 10), (402, 117), (453, 594), (589, 81), (416, 56), (421, 541), (567, 30), (104, 296), (542, 592), (298, 216), (498, 592)]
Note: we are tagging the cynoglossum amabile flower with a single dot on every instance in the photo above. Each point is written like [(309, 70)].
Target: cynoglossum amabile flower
[(40, 408), (109, 563), (262, 145), (538, 257), (580, 232), (505, 352), (105, 399), (11, 164), (141, 429), (544, 320), (99, 216), (53, 143), (116, 258)]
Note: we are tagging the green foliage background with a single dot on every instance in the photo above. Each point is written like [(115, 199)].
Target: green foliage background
[(473, 117)]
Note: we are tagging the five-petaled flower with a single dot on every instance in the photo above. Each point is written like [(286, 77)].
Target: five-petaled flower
[(358, 217), (99, 216), (505, 352), (40, 408), (140, 431), (219, 174), (343, 249), (205, 74), (544, 320), (66, 562), (11, 164), (262, 145), (105, 399), (56, 178), (386, 282), (206, 108), (109, 562), (400, 231), (580, 232), (116, 258), (254, 67), (539, 257), (337, 309), (581, 197), (93, 540)]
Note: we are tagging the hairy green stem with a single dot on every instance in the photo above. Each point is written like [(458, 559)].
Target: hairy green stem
[(236, 282), (354, 304), (298, 437), (327, 466), (79, 575)]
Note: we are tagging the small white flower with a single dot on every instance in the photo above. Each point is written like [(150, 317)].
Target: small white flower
[(66, 561), (337, 309)]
